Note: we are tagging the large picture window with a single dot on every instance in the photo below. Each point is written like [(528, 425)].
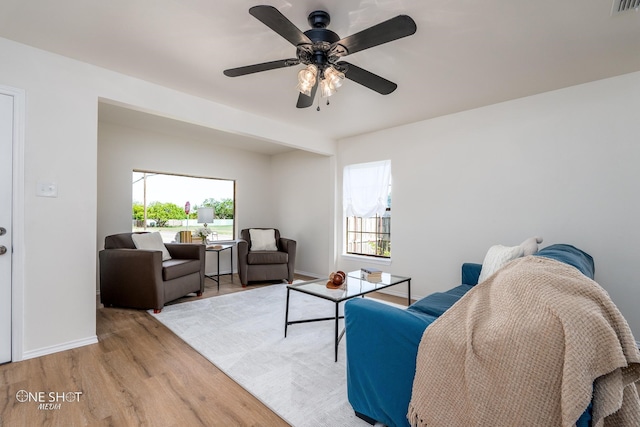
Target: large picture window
[(367, 206), (159, 202)]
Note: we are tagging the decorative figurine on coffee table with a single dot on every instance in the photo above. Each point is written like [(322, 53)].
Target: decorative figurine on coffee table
[(336, 280)]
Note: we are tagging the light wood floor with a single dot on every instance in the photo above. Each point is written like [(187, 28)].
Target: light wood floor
[(139, 374)]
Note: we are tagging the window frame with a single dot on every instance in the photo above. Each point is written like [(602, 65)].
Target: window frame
[(193, 224), (379, 225), (381, 228)]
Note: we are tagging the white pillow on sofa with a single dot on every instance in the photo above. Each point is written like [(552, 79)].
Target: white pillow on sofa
[(263, 240), (530, 246), (497, 257), (151, 242)]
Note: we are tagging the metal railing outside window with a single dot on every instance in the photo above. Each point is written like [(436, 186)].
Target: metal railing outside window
[(369, 236)]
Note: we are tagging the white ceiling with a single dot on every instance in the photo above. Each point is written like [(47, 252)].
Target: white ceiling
[(465, 54)]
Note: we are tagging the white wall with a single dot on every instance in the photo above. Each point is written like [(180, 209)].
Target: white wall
[(122, 149), (61, 145), (562, 165), (304, 205), (291, 191), (58, 285)]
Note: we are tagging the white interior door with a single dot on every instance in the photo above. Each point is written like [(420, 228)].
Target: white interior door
[(6, 162)]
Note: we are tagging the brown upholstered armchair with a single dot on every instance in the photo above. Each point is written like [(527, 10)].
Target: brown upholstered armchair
[(263, 265), (138, 278)]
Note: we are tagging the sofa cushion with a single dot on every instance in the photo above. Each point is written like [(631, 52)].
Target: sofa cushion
[(572, 256), (435, 304), (267, 257), (174, 268), (471, 273), (151, 242), (460, 290)]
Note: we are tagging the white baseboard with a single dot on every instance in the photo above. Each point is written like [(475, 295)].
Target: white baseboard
[(59, 347), (306, 273), (401, 294)]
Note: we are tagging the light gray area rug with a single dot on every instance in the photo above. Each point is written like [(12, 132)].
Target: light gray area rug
[(243, 335)]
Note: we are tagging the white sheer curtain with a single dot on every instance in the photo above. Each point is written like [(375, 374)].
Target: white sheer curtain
[(365, 187)]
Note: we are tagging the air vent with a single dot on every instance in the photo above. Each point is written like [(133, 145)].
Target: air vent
[(621, 6)]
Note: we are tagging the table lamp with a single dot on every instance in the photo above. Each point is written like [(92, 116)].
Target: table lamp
[(205, 215)]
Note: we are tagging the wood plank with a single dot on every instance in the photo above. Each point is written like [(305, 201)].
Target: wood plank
[(139, 373)]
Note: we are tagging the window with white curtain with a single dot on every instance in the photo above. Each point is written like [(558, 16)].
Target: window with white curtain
[(366, 196)]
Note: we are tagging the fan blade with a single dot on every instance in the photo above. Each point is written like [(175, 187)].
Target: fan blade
[(272, 18), (393, 29), (305, 101), (256, 68), (367, 78)]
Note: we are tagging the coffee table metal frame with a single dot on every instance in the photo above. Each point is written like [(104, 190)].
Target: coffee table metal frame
[(354, 287)]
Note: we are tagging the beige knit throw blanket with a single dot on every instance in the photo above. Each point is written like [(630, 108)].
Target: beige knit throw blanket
[(523, 348)]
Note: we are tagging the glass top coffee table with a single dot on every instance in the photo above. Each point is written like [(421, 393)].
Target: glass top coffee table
[(353, 287)]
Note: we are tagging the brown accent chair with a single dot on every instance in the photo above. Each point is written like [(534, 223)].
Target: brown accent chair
[(254, 266), (137, 278)]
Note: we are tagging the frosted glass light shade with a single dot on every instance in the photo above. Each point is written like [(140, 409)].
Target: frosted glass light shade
[(334, 77), (326, 90), (205, 215), (307, 79)]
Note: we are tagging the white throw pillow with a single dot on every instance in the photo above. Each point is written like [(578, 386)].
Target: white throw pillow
[(530, 246), (151, 242), (263, 240), (497, 257)]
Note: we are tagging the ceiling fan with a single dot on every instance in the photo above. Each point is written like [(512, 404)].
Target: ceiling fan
[(320, 50)]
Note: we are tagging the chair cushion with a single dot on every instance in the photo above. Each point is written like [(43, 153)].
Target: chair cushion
[(263, 239), (151, 242), (267, 257), (174, 268)]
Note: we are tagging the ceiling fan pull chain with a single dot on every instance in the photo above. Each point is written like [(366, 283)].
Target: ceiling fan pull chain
[(318, 109)]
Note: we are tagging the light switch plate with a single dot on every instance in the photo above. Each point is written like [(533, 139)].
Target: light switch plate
[(47, 189)]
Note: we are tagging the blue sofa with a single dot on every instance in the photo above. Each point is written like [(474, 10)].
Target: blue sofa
[(382, 343)]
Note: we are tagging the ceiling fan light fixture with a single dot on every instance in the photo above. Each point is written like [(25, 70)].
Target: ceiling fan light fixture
[(331, 81), (307, 79), (326, 88), (319, 48), (304, 89), (334, 77)]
